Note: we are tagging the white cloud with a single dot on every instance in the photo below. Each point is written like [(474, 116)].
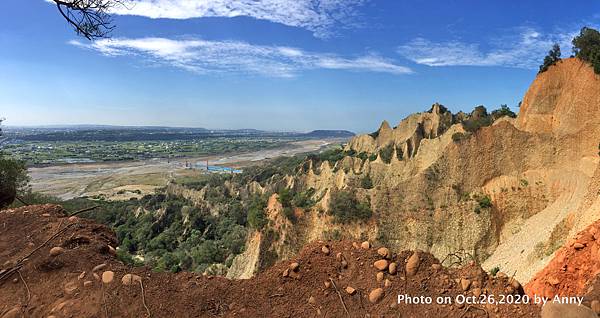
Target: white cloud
[(524, 48), (203, 56), (317, 16)]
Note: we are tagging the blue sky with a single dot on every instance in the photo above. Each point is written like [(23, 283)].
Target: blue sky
[(277, 64)]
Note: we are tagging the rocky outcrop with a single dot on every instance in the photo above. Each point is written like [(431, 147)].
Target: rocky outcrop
[(246, 265), (563, 100), (408, 134), (537, 170)]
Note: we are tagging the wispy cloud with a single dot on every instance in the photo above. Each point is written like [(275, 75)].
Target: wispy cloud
[(317, 16), (525, 47), (203, 56)]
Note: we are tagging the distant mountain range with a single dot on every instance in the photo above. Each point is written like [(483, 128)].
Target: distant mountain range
[(129, 133)]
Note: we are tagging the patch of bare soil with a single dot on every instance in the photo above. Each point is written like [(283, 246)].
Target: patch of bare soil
[(574, 269), (55, 266)]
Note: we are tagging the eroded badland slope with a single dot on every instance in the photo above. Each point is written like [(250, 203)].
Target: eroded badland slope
[(431, 179)]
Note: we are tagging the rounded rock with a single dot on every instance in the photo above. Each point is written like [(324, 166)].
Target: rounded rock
[(57, 250), (412, 265), (383, 252), (108, 277), (465, 284), (393, 268), (294, 266), (366, 245), (129, 279), (350, 290), (379, 276), (325, 250), (387, 283), (515, 283), (375, 295), (381, 264)]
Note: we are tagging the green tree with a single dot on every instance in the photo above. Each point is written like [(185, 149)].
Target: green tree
[(503, 111), (13, 179), (586, 47), (285, 198), (551, 59), (478, 118), (346, 208), (256, 213), (386, 153)]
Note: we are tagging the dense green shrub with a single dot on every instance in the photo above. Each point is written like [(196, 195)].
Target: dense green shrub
[(484, 201), (257, 218), (503, 111), (374, 134), (552, 58), (478, 118), (288, 212), (366, 182), (586, 47), (386, 153), (331, 155), (304, 199), (290, 199), (285, 197), (346, 208), (13, 179), (399, 153), (494, 270)]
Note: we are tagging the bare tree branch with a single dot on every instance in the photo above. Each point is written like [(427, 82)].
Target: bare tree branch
[(89, 18)]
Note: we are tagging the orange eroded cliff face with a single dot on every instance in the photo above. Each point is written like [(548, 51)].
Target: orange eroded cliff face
[(563, 100)]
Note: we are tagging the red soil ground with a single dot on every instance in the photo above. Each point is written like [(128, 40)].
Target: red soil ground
[(64, 285), (574, 268)]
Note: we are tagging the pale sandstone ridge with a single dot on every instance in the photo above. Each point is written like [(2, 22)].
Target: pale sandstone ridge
[(408, 134)]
